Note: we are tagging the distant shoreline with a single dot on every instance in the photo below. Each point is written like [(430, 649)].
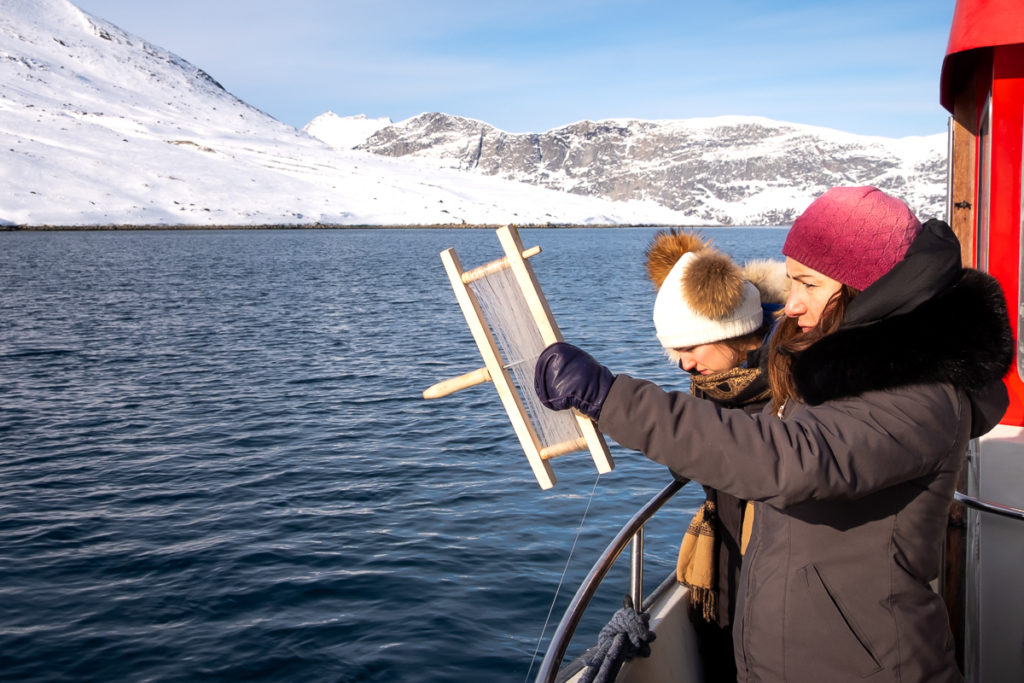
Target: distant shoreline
[(318, 226)]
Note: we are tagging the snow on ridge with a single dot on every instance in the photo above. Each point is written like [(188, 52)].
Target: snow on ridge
[(704, 123), (344, 132)]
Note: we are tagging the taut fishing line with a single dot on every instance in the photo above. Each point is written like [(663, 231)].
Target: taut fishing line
[(561, 580)]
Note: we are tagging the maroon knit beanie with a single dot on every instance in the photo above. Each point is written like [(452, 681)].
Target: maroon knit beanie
[(854, 235)]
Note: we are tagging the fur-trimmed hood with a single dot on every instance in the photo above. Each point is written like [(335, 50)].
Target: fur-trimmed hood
[(770, 279), (959, 333)]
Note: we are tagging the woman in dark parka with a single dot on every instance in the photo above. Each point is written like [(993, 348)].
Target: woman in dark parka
[(890, 361)]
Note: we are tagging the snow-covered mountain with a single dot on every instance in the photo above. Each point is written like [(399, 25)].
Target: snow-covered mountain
[(98, 126), (344, 132), (728, 170)]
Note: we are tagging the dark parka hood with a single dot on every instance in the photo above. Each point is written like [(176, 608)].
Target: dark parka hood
[(926, 320)]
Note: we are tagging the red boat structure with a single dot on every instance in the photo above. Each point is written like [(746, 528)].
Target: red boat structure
[(982, 87)]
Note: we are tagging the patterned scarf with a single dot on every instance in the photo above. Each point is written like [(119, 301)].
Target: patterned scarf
[(732, 388), (697, 565)]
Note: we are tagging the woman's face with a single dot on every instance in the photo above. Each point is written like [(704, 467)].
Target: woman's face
[(809, 292), (706, 358)]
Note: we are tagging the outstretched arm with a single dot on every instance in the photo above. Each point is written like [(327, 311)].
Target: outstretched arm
[(842, 449)]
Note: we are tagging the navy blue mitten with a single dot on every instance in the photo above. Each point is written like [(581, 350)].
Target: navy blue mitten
[(569, 377)]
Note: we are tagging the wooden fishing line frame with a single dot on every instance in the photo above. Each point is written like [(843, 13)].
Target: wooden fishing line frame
[(495, 370)]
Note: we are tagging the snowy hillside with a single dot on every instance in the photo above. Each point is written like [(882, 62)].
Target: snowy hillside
[(344, 132), (98, 127), (728, 169)]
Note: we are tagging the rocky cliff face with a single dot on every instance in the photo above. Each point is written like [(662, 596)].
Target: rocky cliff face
[(726, 170)]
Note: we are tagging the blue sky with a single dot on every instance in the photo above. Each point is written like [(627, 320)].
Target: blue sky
[(868, 67)]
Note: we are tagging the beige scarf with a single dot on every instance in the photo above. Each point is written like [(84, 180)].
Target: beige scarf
[(697, 563), (697, 566)]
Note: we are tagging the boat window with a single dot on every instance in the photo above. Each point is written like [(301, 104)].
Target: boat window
[(984, 185)]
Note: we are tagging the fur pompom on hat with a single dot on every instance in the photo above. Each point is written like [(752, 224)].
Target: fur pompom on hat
[(667, 248), (703, 296), (854, 235)]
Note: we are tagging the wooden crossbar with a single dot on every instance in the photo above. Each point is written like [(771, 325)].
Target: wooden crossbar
[(494, 369), (494, 266)]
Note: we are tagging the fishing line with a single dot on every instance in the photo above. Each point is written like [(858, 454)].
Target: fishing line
[(561, 579)]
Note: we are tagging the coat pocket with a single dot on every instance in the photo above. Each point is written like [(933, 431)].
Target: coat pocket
[(841, 644)]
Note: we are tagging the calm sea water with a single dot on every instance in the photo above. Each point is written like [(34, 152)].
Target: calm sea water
[(215, 463)]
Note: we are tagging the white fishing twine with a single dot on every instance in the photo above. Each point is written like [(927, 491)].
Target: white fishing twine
[(519, 340), (561, 580)]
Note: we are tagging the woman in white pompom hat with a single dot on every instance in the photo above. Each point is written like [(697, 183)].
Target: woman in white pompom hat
[(709, 312)]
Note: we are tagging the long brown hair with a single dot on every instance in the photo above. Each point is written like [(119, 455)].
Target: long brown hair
[(788, 341)]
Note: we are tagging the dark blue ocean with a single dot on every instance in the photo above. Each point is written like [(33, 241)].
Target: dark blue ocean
[(216, 465)]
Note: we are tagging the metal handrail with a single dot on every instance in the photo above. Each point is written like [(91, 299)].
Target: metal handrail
[(985, 506), (633, 531), (634, 527)]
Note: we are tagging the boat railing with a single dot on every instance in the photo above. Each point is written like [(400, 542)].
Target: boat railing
[(631, 532), (986, 506)]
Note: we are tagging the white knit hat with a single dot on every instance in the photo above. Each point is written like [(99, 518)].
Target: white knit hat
[(691, 309)]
